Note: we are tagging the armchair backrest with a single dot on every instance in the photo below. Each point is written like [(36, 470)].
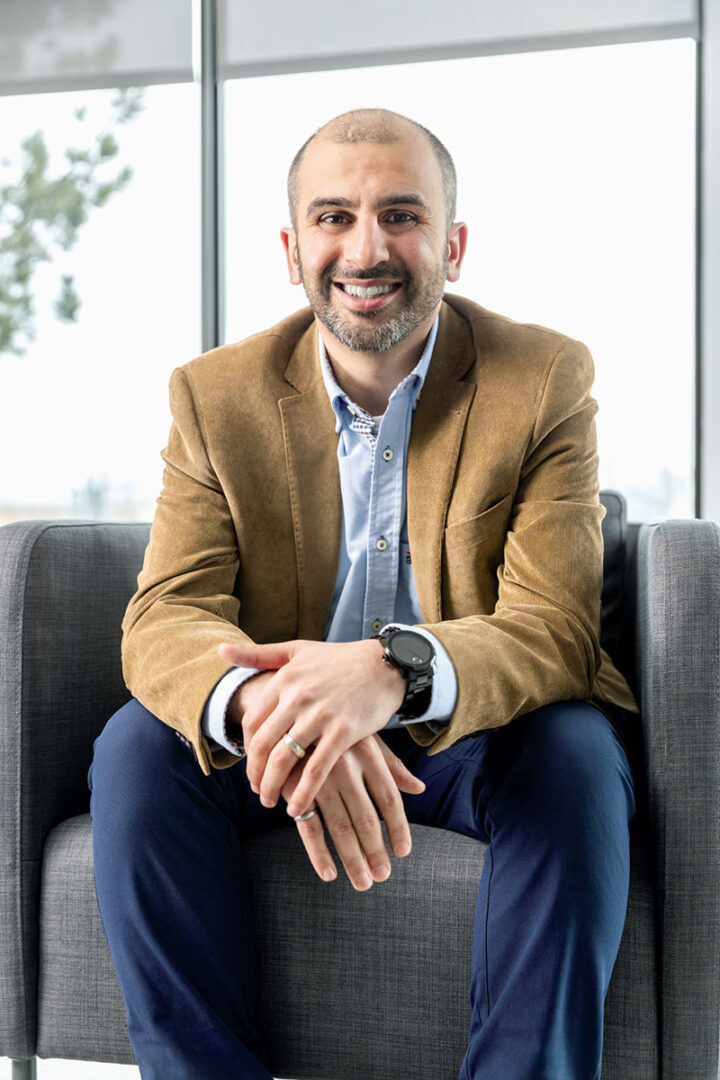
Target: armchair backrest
[(617, 620)]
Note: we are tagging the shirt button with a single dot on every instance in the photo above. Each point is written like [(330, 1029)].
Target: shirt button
[(387, 454), (377, 625), (381, 544)]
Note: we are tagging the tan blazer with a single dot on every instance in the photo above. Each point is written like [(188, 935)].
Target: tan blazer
[(503, 521)]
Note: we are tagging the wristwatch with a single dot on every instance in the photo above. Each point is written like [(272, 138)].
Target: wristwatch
[(414, 657)]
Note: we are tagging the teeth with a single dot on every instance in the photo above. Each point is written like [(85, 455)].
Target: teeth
[(372, 290)]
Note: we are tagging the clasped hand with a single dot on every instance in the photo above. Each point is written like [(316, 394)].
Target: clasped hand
[(363, 786), (333, 698), (327, 695)]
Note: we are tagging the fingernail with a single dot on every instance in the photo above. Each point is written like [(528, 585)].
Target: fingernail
[(329, 873), (255, 788), (382, 871), (402, 849), (363, 881), (268, 803), (293, 810)]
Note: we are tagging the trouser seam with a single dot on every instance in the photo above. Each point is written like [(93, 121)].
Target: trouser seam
[(487, 923)]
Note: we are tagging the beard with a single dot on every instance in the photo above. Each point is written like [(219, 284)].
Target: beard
[(376, 331)]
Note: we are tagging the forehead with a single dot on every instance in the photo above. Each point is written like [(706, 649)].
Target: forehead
[(363, 170)]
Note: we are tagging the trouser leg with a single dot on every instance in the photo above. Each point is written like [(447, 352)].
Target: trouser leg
[(552, 796), (174, 899)]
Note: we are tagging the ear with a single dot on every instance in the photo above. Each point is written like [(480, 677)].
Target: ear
[(457, 243), (289, 242)]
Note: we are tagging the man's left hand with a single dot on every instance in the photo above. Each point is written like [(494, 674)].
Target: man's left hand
[(327, 695)]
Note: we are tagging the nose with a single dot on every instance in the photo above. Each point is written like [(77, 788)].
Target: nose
[(366, 243)]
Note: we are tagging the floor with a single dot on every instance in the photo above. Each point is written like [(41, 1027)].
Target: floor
[(75, 1070)]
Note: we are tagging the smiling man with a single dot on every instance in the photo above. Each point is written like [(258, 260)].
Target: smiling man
[(372, 587)]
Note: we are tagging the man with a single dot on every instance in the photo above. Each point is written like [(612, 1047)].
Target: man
[(390, 463)]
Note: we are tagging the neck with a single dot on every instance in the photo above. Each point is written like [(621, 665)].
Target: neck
[(370, 378)]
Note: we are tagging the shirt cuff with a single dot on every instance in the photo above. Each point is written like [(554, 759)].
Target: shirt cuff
[(216, 706), (444, 685)]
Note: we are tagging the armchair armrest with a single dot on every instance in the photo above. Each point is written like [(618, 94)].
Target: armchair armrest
[(678, 653), (64, 586)]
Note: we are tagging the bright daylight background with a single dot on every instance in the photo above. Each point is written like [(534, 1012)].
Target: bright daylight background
[(576, 179)]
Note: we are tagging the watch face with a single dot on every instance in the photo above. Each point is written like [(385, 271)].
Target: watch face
[(411, 649)]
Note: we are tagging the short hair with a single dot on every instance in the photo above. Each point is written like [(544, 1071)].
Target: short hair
[(375, 126)]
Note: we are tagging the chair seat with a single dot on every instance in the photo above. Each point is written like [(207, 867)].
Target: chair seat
[(318, 1019)]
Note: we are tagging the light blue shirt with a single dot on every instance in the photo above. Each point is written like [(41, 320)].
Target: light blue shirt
[(375, 585)]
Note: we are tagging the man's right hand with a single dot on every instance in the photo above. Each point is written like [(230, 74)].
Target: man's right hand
[(363, 787), (241, 701)]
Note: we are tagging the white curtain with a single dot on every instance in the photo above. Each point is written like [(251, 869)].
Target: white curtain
[(77, 44), (287, 35)]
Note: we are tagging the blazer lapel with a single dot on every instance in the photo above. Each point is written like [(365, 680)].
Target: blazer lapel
[(314, 484), (437, 431)]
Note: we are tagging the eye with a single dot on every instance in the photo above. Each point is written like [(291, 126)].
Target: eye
[(333, 219), (400, 218)]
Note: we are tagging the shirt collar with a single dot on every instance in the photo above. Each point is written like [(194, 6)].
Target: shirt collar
[(413, 382)]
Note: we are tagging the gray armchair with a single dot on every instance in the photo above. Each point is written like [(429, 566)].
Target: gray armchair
[(388, 963)]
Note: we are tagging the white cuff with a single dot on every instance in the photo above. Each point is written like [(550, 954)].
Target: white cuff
[(216, 706)]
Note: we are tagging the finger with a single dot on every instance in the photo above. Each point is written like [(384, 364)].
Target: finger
[(404, 779), (274, 655), (277, 766), (366, 823), (266, 737), (328, 749), (338, 824), (386, 796), (312, 835), (385, 792)]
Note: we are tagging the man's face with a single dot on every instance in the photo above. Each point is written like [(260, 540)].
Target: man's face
[(371, 245)]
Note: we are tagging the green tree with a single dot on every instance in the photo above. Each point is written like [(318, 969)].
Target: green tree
[(40, 213)]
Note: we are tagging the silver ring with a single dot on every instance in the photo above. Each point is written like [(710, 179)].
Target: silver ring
[(294, 746), (305, 817)]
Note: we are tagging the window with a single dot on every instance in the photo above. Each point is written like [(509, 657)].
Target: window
[(576, 177), (85, 404)]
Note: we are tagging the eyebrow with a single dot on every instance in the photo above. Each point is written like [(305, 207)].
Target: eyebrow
[(402, 198)]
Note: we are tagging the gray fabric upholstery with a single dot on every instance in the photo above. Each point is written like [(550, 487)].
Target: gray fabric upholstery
[(318, 999), (614, 562), (63, 587), (678, 646), (80, 1008)]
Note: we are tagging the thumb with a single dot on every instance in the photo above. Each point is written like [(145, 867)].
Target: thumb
[(405, 780), (268, 657)]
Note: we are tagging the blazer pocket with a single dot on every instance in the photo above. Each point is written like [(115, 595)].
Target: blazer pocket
[(474, 549), (470, 532)]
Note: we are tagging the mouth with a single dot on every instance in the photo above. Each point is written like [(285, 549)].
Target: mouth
[(369, 297)]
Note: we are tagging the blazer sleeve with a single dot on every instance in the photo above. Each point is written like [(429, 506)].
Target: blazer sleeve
[(184, 606), (541, 643)]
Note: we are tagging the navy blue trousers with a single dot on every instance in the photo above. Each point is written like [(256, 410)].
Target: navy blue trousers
[(552, 796)]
